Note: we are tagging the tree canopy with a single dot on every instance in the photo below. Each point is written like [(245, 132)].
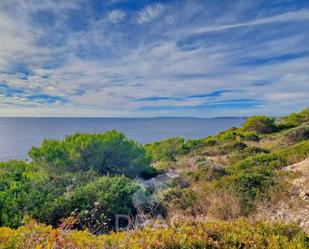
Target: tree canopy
[(260, 124), (107, 153)]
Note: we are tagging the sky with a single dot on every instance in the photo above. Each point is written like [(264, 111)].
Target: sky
[(144, 58)]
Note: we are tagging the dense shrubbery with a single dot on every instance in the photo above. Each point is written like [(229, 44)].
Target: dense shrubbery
[(195, 144), (297, 134), (66, 176), (107, 153), (230, 135), (252, 176), (248, 186), (50, 198), (109, 195), (239, 155), (296, 119), (294, 153), (180, 234), (260, 124), (166, 149), (20, 192), (270, 161)]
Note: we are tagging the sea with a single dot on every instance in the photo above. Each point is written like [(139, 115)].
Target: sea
[(18, 135)]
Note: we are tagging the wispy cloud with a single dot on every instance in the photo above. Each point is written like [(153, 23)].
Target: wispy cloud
[(294, 16), (126, 58), (150, 12), (116, 16)]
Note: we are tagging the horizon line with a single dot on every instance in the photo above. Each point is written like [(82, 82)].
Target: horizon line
[(123, 117)]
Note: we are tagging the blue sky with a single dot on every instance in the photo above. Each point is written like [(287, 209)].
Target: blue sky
[(153, 58)]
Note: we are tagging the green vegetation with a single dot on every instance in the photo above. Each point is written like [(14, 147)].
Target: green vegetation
[(260, 124), (297, 134), (49, 199), (179, 234), (107, 153), (296, 119), (166, 149), (66, 176), (83, 181)]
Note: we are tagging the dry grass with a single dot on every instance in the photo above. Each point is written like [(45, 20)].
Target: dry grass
[(223, 206)]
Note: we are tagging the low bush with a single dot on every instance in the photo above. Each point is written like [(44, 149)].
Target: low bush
[(166, 150), (296, 119), (105, 196), (180, 234), (297, 134), (240, 155), (249, 136), (19, 183), (24, 191), (248, 185), (235, 146), (228, 135), (252, 177), (178, 198), (237, 134), (271, 161), (195, 144), (295, 153), (208, 173)]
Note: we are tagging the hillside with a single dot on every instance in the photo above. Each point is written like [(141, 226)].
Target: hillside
[(294, 207), (246, 187)]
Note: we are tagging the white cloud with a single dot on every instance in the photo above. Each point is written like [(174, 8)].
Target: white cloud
[(286, 17), (104, 69), (116, 16), (149, 13)]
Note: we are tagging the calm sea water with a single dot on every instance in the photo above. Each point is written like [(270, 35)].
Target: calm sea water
[(18, 135)]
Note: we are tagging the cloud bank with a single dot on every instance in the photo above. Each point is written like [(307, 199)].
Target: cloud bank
[(153, 58)]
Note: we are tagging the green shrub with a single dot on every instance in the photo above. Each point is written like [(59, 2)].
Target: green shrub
[(236, 146), (20, 192), (228, 135), (107, 153), (295, 153), (260, 124), (248, 136), (237, 134), (296, 119), (274, 160), (297, 134), (271, 161), (208, 173), (195, 144), (248, 185), (239, 155), (24, 191), (182, 233), (180, 198), (112, 195), (167, 149), (216, 172)]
